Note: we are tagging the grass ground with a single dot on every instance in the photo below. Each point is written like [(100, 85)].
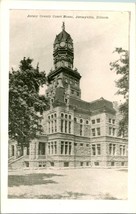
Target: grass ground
[(109, 184)]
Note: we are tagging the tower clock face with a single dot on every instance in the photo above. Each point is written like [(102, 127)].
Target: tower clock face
[(62, 44)]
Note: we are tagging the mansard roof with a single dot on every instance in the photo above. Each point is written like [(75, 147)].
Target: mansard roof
[(95, 107), (102, 105), (79, 105), (63, 36)]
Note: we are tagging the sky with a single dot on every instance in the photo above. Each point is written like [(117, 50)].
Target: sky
[(95, 36)]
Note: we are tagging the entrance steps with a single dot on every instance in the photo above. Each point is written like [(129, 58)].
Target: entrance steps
[(16, 163)]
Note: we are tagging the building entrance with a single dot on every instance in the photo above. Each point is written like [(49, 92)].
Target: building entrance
[(41, 149)]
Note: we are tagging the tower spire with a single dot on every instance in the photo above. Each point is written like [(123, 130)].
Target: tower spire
[(63, 26)]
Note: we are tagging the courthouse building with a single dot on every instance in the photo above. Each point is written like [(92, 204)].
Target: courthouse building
[(76, 133)]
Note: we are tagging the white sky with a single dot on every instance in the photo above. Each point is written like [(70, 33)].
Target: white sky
[(94, 41)]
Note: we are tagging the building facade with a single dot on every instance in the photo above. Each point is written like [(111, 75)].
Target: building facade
[(76, 133)]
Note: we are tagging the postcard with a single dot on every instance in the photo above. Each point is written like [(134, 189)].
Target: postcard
[(68, 88)]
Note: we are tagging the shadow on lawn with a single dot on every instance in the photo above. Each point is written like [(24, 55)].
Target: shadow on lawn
[(30, 179), (65, 195)]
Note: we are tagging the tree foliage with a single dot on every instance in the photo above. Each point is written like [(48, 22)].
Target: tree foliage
[(121, 67), (25, 103)]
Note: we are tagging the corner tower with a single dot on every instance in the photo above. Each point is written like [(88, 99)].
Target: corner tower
[(63, 80)]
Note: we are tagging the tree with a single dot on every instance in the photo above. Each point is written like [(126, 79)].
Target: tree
[(121, 67), (25, 103)]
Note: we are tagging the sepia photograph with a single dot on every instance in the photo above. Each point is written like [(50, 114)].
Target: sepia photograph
[(68, 104), (67, 126)]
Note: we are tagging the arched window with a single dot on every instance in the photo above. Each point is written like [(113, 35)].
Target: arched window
[(81, 121)]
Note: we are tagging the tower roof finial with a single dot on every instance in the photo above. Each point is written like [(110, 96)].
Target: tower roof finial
[(63, 26)]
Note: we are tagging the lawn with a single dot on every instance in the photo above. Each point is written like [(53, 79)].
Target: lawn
[(108, 184)]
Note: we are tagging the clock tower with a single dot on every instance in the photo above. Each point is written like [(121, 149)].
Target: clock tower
[(63, 79), (63, 50)]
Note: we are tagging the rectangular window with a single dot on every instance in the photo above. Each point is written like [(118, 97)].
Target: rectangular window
[(93, 121), (112, 163), (52, 163), (81, 163), (123, 150), (122, 163), (55, 147), (109, 120), (65, 126), (93, 150), (93, 132), (87, 145), (98, 132), (113, 131), (69, 148), (98, 149), (110, 130), (62, 125), (69, 127), (66, 148), (114, 149), (96, 163), (52, 126), (51, 147), (110, 149), (62, 147), (55, 126), (66, 164), (113, 121), (81, 129), (98, 120), (87, 163), (27, 164), (81, 144)]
